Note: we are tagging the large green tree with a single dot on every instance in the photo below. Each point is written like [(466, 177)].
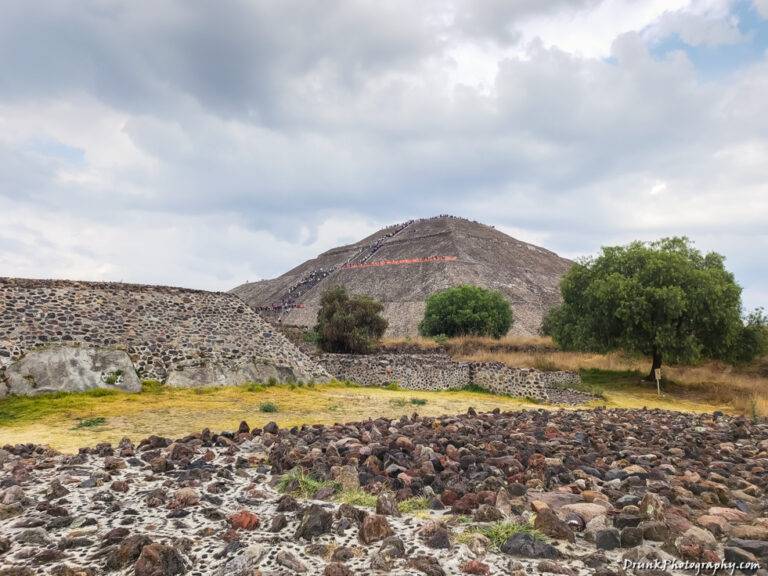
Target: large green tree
[(466, 310), (349, 324), (664, 299)]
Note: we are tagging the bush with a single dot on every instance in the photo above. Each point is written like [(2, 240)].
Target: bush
[(348, 324), (752, 341), (466, 310), (268, 407)]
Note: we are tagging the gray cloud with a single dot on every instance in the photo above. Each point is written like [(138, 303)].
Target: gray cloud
[(229, 141)]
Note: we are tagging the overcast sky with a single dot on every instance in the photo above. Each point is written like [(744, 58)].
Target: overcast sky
[(204, 144)]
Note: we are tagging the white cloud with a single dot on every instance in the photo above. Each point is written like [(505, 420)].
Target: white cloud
[(171, 144)]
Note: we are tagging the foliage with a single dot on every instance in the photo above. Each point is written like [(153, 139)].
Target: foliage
[(348, 324), (253, 387), (418, 401), (113, 377), (499, 532), (752, 341), (392, 386), (91, 422), (298, 482), (663, 299), (356, 498), (466, 310), (413, 504), (152, 387), (268, 407), (310, 336)]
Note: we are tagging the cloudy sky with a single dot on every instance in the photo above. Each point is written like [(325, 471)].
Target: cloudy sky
[(204, 144)]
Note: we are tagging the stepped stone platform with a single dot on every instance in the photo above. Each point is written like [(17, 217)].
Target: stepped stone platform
[(185, 337)]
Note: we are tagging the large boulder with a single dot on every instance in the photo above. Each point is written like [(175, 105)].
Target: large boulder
[(209, 373), (70, 369)]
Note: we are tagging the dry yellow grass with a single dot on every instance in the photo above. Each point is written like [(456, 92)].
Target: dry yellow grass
[(177, 412), (469, 344), (716, 382)]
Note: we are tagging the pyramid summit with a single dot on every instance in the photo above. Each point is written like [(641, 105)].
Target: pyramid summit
[(403, 264)]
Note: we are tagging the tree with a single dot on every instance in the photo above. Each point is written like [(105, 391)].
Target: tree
[(348, 324), (663, 299), (464, 310), (753, 339)]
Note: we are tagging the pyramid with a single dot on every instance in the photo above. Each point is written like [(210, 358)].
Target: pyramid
[(402, 265)]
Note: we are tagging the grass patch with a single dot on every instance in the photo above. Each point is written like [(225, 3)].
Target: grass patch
[(205, 390), (268, 407), (392, 386), (499, 532), (418, 401), (398, 402), (253, 387), (15, 409), (299, 483), (153, 387), (90, 423), (358, 497), (414, 504)]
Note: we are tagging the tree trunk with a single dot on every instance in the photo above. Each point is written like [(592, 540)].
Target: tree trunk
[(656, 364)]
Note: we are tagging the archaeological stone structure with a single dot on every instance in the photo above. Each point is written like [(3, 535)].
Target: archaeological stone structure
[(441, 372), (402, 265), (183, 337)]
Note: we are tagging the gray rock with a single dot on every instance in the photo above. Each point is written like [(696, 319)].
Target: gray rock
[(315, 521), (529, 547), (608, 539), (71, 369)]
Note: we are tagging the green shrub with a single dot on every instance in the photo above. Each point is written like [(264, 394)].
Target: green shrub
[(418, 401), (499, 532), (298, 482), (268, 407), (348, 324), (253, 387), (466, 310), (413, 504), (272, 381), (91, 422), (113, 378), (752, 340), (311, 336), (356, 498)]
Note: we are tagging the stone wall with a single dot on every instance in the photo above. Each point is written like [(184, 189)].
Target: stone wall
[(441, 372), (163, 329)]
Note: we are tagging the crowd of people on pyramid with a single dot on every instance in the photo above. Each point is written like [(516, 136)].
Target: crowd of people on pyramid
[(288, 301)]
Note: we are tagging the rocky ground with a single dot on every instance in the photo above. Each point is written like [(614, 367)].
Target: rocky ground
[(532, 492)]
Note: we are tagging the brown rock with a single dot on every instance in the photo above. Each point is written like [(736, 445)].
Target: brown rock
[(159, 560), (549, 523), (244, 520), (374, 528)]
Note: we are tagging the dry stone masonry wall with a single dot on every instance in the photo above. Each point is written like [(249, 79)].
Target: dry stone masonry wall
[(164, 330), (441, 372)]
